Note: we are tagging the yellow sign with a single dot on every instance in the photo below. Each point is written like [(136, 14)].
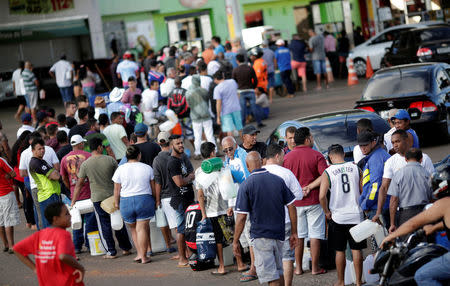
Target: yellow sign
[(39, 6)]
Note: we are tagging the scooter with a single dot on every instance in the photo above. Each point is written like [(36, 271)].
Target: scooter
[(398, 263)]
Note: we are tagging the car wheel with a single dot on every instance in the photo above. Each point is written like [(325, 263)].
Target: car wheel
[(360, 67)]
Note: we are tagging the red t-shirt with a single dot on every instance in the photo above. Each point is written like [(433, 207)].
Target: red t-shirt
[(307, 165), (70, 166), (46, 246), (6, 185)]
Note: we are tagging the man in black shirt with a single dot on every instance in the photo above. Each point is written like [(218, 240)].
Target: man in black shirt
[(82, 127), (180, 178), (149, 150), (249, 143), (63, 142)]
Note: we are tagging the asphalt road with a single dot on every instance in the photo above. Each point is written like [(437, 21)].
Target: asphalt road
[(163, 271)]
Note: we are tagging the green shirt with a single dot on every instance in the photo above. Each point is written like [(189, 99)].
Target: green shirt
[(99, 170), (40, 171), (91, 136)]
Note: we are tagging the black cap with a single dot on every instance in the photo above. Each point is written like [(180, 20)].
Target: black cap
[(250, 130), (366, 137)]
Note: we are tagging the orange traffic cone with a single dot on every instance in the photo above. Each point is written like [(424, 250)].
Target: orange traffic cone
[(369, 70), (352, 77), (330, 77)]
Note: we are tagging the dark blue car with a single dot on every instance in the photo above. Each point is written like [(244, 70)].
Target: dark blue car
[(422, 89), (331, 128)]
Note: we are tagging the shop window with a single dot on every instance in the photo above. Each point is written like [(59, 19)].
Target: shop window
[(254, 19)]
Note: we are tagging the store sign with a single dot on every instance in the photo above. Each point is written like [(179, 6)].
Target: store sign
[(193, 4), (39, 6), (384, 14)]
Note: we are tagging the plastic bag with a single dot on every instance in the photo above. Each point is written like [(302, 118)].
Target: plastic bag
[(161, 220), (227, 188)]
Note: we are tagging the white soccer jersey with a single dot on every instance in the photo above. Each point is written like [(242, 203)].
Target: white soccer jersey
[(344, 193)]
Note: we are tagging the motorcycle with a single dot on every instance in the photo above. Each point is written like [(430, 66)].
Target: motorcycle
[(398, 263)]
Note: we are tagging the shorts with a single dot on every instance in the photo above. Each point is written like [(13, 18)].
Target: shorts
[(288, 253), (137, 208), (217, 229), (32, 97), (311, 222), (339, 235), (319, 67), (271, 80), (175, 218), (9, 211), (300, 67), (231, 121), (268, 259), (22, 100), (343, 57)]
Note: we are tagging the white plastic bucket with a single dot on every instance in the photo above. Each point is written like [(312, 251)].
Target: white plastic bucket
[(116, 220), (156, 237), (84, 206), (170, 114), (228, 258), (76, 220), (95, 244), (167, 126), (363, 230), (205, 180)]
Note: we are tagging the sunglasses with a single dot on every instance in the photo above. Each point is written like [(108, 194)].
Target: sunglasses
[(226, 150)]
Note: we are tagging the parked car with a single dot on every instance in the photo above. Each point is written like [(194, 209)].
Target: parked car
[(429, 44), (331, 128), (422, 89), (376, 46), (6, 86)]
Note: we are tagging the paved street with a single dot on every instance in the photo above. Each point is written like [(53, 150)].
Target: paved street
[(163, 271)]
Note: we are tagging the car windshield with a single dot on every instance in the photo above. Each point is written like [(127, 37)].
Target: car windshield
[(397, 84), (435, 34)]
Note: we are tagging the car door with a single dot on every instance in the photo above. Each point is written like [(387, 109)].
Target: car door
[(398, 50), (376, 48)]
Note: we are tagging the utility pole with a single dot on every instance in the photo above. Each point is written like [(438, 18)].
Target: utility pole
[(233, 18)]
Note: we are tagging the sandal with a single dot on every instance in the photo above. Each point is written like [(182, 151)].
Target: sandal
[(248, 278), (244, 269), (322, 271), (215, 273)]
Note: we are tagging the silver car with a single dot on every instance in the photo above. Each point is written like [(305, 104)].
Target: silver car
[(375, 47)]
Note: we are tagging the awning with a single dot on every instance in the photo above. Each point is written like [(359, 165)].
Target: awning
[(38, 30)]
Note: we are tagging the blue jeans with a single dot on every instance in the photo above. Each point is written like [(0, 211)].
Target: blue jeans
[(434, 271), (250, 96), (106, 232), (89, 91), (80, 235), (263, 112), (66, 93), (43, 205), (286, 79)]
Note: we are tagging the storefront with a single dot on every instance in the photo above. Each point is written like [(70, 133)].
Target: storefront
[(44, 30)]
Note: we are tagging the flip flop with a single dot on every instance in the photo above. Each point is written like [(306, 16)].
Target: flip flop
[(146, 262), (248, 278), (300, 273), (126, 252), (183, 265), (137, 260), (215, 273), (322, 271), (109, 256), (171, 250), (5, 249)]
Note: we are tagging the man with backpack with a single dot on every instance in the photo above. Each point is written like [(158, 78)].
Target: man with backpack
[(177, 102)]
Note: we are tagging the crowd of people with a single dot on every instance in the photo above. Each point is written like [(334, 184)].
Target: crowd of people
[(111, 147)]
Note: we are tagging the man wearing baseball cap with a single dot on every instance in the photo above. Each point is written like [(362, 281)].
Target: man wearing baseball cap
[(127, 68), (26, 124), (249, 143), (283, 57), (149, 150), (162, 192), (402, 121), (70, 166)]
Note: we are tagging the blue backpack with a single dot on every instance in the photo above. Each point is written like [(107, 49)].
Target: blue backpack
[(205, 240)]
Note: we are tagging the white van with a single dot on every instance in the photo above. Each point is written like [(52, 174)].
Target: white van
[(376, 46)]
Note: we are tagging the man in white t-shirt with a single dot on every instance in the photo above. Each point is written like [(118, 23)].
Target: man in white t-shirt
[(400, 143), (169, 84), (345, 183), (63, 72), (26, 124), (274, 163), (117, 136), (149, 105), (19, 89), (24, 169)]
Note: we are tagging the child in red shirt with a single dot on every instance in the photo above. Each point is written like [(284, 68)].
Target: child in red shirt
[(53, 250)]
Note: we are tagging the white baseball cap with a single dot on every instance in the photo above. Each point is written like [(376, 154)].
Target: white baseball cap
[(279, 42), (76, 139)]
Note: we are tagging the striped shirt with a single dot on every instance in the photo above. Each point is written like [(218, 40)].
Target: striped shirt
[(28, 80)]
